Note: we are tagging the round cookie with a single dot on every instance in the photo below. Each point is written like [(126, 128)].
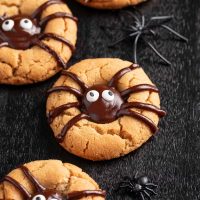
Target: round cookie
[(49, 180), (103, 108), (110, 4), (37, 38)]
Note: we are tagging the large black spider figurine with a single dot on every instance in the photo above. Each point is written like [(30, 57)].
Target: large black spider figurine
[(24, 31), (104, 103), (137, 187), (43, 193), (139, 29)]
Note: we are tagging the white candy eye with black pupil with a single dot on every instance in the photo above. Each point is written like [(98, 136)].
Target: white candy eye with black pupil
[(92, 96), (8, 25), (26, 24), (108, 95), (39, 197)]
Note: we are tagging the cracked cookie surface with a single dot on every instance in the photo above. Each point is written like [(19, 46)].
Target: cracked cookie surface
[(96, 141), (110, 4), (52, 174), (34, 64)]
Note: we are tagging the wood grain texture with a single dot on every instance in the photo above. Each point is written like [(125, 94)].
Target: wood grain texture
[(172, 157)]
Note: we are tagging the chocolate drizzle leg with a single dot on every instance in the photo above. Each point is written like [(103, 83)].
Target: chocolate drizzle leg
[(48, 193), (24, 31), (104, 103), (20, 187)]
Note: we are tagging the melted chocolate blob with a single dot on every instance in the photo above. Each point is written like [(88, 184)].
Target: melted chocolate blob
[(43, 193), (103, 109), (23, 31)]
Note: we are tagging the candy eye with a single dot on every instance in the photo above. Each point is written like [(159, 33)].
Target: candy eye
[(8, 25), (26, 23), (92, 96), (108, 95), (39, 197)]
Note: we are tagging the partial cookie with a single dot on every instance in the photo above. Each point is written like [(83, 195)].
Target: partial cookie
[(37, 38), (103, 108), (110, 4), (49, 179)]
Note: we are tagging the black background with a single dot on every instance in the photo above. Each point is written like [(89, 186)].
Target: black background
[(172, 157)]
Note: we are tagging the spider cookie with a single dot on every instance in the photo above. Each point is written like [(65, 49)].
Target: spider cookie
[(104, 108), (37, 38), (49, 180), (110, 4)]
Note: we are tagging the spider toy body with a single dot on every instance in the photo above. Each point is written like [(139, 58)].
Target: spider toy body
[(22, 31), (138, 187), (43, 193), (104, 103), (140, 30)]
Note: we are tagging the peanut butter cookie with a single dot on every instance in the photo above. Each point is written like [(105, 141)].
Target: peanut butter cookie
[(49, 180), (110, 4), (103, 108), (37, 38)]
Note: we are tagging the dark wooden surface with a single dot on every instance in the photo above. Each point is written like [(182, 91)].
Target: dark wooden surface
[(172, 157)]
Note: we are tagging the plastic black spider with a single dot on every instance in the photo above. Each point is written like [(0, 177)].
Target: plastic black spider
[(138, 187), (140, 28)]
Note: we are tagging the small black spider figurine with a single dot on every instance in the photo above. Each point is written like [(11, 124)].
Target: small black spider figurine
[(140, 30), (24, 31), (138, 187)]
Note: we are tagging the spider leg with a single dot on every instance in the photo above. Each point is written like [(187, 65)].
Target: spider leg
[(80, 194), (146, 106), (45, 47), (58, 110), (156, 52), (147, 194), (76, 79), (165, 18), (151, 185), (151, 190), (133, 15), (4, 44), (135, 47), (60, 137), (142, 196), (124, 38), (46, 19), (58, 38), (18, 186), (175, 33), (119, 74), (169, 17), (37, 13), (74, 91), (139, 88), (139, 116), (28, 174), (142, 16)]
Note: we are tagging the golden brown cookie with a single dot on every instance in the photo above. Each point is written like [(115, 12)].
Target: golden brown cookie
[(49, 179), (37, 38), (103, 108), (110, 4)]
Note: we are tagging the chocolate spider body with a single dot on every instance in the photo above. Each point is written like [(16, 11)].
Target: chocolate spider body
[(138, 187), (140, 30), (23, 31), (104, 103), (43, 193)]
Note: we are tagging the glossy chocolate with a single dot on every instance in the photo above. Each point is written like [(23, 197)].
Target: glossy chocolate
[(102, 111), (104, 103), (43, 193), (22, 31)]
